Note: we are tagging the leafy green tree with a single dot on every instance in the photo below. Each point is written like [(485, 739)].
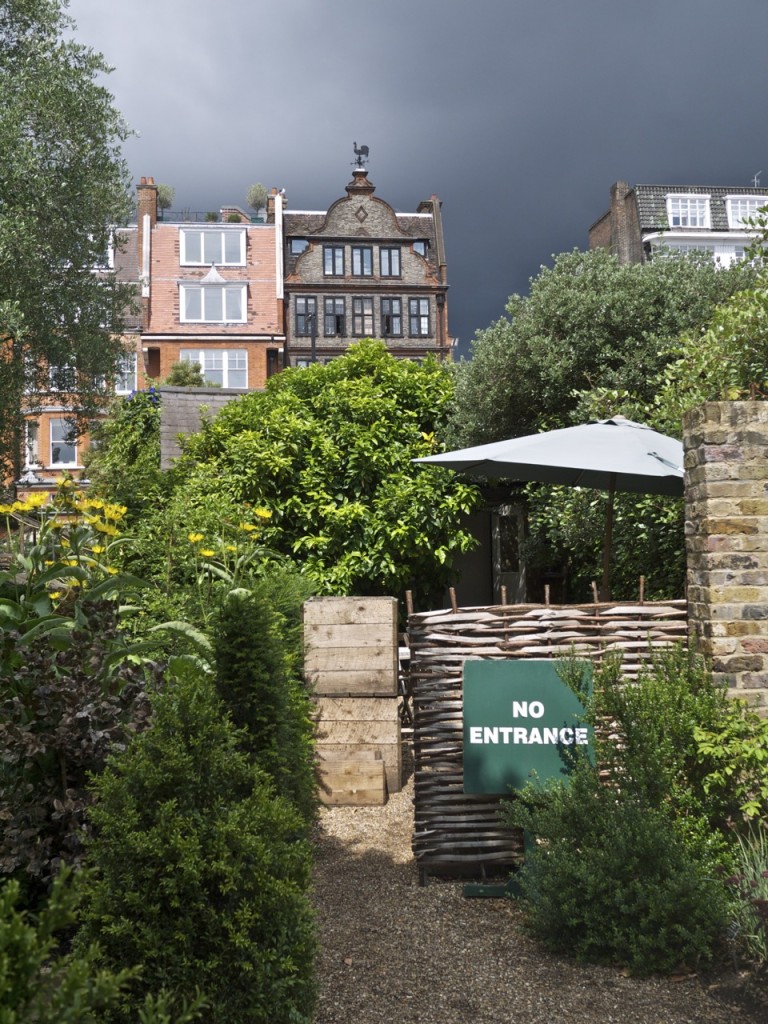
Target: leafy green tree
[(257, 197), (727, 361), (124, 461), (165, 196), (64, 187), (587, 323), (185, 375), (322, 458), (593, 339)]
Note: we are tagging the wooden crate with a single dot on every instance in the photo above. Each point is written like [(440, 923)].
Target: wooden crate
[(350, 646), (358, 780), (350, 727)]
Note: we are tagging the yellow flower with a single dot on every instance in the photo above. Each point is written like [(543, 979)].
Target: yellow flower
[(98, 549), (263, 513), (194, 538), (55, 595), (64, 542), (207, 552), (248, 527), (231, 547), (37, 500), (112, 570), (114, 511), (107, 528)]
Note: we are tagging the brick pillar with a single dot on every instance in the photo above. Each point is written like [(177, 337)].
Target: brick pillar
[(726, 462)]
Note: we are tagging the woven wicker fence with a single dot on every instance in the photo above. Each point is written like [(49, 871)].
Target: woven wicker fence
[(456, 832)]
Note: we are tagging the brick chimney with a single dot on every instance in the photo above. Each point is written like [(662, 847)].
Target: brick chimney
[(621, 241), (146, 205), (146, 208), (273, 192)]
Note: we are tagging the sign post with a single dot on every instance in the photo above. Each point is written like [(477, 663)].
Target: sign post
[(521, 724)]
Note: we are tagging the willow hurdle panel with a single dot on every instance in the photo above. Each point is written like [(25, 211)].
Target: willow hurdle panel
[(459, 832)]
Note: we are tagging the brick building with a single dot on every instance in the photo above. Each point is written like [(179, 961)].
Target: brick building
[(244, 297), (644, 218), (361, 269), (211, 293), (51, 446)]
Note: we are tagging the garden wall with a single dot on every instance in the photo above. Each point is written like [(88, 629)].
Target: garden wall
[(726, 462)]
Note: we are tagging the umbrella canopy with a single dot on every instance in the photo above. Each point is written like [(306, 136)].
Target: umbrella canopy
[(610, 455), (614, 455)]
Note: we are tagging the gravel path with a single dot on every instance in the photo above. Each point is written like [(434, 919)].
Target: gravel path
[(399, 953)]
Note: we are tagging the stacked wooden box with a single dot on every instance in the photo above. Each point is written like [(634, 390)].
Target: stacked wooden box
[(351, 664)]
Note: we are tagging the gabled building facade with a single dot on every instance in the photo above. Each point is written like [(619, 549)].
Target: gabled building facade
[(360, 269), (644, 219)]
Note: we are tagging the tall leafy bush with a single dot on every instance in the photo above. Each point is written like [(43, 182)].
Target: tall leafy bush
[(265, 698), (201, 869)]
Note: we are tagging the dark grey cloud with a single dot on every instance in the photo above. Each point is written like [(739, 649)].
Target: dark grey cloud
[(519, 115)]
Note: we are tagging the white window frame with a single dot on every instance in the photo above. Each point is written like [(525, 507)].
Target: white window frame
[(126, 374), (186, 289), (688, 210), (736, 218), (233, 361), (62, 438), (185, 235), (32, 443)]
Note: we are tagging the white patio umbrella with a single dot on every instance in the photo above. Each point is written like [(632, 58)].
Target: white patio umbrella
[(610, 455)]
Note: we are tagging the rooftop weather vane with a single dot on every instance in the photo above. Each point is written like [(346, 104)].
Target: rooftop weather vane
[(361, 155), (756, 179)]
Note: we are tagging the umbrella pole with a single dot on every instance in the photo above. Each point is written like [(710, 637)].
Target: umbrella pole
[(608, 541)]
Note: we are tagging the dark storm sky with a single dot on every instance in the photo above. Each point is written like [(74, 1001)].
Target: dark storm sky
[(519, 114)]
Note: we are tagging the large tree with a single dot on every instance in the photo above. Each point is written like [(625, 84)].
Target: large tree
[(594, 338), (63, 188), (588, 323), (321, 460)]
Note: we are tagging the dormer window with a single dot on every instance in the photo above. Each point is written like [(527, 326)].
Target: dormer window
[(298, 246), (201, 248), (688, 211), (213, 304), (742, 209), (420, 247)]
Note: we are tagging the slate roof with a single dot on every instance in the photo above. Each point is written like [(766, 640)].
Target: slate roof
[(652, 203)]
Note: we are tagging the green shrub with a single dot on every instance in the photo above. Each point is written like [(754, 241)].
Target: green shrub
[(265, 699), (735, 751), (652, 747), (751, 886), (627, 863), (609, 878), (200, 869), (59, 721), (35, 984)]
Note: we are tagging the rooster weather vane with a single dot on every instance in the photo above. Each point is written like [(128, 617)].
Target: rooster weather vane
[(361, 155)]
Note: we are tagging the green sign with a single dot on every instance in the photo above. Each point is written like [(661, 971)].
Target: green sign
[(520, 718)]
